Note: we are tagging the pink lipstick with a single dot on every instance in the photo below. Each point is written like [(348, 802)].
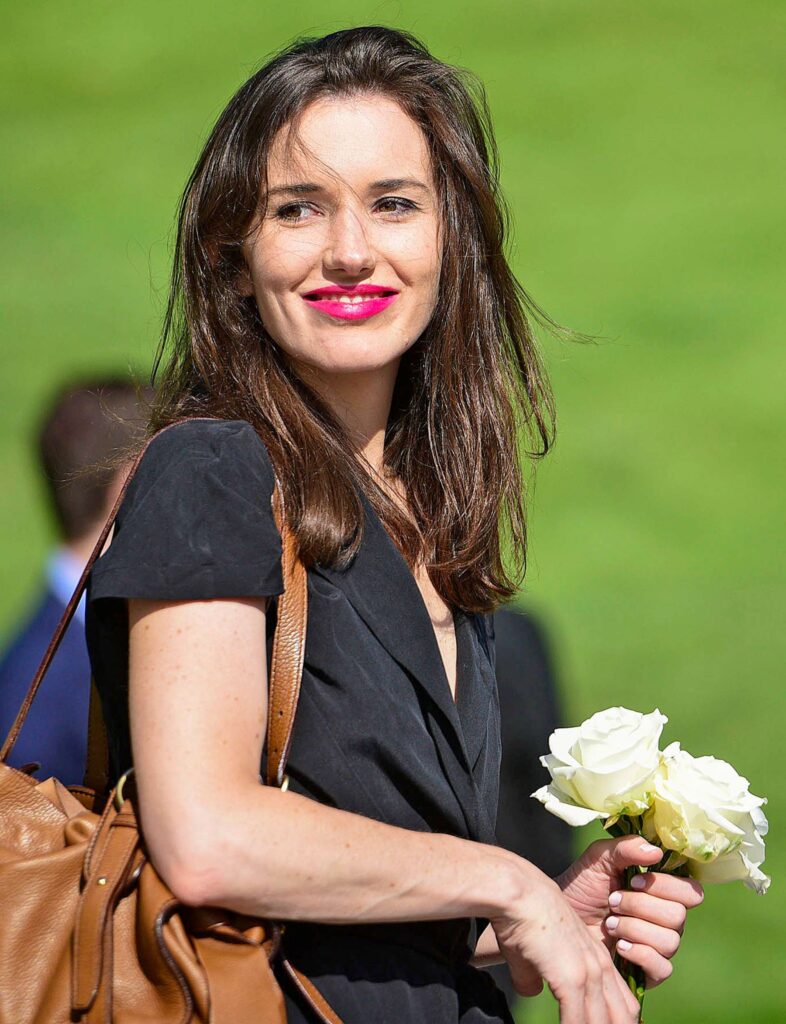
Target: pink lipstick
[(355, 303)]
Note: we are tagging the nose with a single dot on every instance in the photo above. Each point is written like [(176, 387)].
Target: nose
[(348, 249)]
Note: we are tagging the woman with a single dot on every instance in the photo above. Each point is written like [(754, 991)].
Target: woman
[(342, 306)]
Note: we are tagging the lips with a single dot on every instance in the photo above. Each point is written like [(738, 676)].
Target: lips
[(356, 303)]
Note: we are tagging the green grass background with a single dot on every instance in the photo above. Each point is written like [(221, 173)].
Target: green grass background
[(643, 155)]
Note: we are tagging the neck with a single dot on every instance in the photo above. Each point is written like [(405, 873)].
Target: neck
[(361, 402)]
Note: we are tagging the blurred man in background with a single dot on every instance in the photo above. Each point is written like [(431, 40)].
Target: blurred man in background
[(84, 430)]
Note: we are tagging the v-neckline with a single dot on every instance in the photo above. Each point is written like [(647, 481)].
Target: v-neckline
[(452, 694), (383, 592), (453, 613)]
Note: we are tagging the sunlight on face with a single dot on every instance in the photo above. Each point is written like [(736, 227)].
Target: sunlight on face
[(345, 263)]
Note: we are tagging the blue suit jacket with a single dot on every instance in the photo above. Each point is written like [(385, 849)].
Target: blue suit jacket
[(55, 732)]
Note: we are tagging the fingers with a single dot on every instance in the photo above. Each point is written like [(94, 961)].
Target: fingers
[(647, 932), (628, 851), (526, 980), (601, 993), (533, 988), (571, 1007), (656, 967), (665, 941), (608, 1000), (591, 991), (687, 891), (623, 1005), (642, 905)]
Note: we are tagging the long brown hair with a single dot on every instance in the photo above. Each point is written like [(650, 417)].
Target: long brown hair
[(471, 393)]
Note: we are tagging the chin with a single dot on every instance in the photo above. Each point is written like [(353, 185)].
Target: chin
[(343, 365), (343, 357)]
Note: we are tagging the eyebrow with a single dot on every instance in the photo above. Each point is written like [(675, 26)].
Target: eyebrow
[(383, 185), (391, 184)]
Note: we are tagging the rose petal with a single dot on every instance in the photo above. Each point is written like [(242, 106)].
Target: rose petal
[(554, 801)]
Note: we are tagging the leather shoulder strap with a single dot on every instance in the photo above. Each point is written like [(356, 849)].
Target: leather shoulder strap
[(289, 643)]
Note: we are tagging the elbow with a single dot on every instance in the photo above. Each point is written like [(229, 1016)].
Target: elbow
[(205, 854), (192, 877), (191, 884), (189, 864)]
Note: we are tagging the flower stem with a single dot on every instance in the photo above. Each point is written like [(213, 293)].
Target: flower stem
[(633, 975)]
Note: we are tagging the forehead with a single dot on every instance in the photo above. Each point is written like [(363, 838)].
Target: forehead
[(359, 139)]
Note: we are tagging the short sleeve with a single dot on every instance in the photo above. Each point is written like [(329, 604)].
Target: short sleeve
[(196, 522)]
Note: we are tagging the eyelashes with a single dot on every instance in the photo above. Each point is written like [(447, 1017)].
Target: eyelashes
[(296, 213), (402, 206), (289, 212)]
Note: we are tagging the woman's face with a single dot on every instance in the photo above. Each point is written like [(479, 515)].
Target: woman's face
[(345, 263)]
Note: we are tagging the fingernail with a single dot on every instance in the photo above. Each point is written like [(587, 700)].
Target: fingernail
[(638, 882), (624, 945), (615, 899), (612, 922), (649, 848)]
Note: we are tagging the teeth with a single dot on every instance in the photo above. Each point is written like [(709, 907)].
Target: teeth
[(348, 299)]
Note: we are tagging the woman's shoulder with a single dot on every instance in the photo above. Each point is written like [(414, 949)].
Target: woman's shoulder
[(207, 438), (196, 521), (202, 462), (206, 458)]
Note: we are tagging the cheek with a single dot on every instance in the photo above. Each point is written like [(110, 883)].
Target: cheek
[(279, 265), (272, 280), (416, 257)]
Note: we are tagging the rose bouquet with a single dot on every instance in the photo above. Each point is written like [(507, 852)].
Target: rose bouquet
[(697, 809)]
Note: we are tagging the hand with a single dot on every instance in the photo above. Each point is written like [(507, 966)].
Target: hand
[(650, 920), (543, 939)]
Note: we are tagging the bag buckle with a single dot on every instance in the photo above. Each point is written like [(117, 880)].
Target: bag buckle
[(120, 787)]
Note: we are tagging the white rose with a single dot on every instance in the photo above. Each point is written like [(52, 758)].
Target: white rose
[(705, 812), (604, 767)]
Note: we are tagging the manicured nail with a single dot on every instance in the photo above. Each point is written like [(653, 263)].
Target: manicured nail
[(649, 848), (638, 882), (624, 945), (615, 899), (612, 922)]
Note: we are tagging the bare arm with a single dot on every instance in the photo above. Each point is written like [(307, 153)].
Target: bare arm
[(198, 707), (198, 704)]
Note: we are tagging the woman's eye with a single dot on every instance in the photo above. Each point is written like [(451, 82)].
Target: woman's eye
[(293, 212), (396, 206), (296, 213)]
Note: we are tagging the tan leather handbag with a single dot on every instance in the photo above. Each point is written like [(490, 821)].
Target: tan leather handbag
[(88, 930)]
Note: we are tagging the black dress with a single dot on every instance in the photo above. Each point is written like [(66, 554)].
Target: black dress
[(377, 731)]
